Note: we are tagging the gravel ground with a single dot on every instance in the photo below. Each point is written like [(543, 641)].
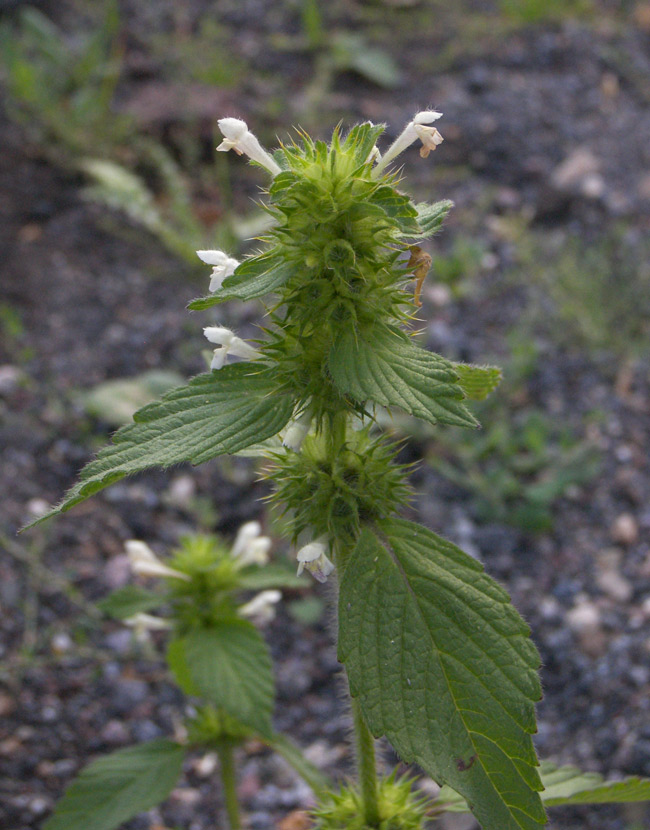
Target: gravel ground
[(552, 126)]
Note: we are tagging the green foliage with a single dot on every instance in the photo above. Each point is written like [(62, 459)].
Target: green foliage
[(459, 267), (477, 382), (212, 728), (597, 296), (115, 788), (228, 665), (215, 414), (441, 664), (62, 88), (254, 277), (564, 786), (567, 785), (385, 367), (115, 402), (517, 467), (130, 600), (430, 218), (400, 808), (538, 11), (349, 52), (203, 55)]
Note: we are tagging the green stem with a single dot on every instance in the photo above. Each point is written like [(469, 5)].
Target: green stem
[(366, 767), (229, 782)]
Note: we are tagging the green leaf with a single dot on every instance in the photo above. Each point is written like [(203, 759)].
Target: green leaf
[(565, 786), (179, 667), (387, 368), (116, 401), (350, 51), (216, 413), (255, 277), (128, 601), (477, 381), (430, 218), (229, 665), (442, 666), (397, 207), (271, 576), (115, 788)]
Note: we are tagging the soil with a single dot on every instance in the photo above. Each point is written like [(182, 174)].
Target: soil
[(82, 304)]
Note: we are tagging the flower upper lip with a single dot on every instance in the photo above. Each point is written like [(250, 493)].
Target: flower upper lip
[(240, 139)]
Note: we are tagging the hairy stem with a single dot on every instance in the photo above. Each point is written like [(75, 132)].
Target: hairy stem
[(366, 767), (229, 783)]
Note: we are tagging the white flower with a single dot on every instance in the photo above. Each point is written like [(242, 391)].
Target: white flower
[(296, 431), (144, 561), (313, 557), (250, 548), (142, 624), (224, 266), (229, 344), (261, 606), (418, 128), (240, 139)]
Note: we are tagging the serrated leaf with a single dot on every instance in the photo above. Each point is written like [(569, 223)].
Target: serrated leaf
[(390, 370), (115, 788), (477, 381), (271, 576), (565, 786), (442, 666), (127, 601), (430, 218), (255, 277), (229, 665), (216, 413)]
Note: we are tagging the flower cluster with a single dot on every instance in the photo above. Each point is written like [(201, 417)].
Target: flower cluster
[(250, 548)]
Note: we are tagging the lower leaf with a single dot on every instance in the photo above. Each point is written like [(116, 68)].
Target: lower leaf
[(115, 788), (442, 666)]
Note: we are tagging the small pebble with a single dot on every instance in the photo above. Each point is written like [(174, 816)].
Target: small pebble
[(625, 529)]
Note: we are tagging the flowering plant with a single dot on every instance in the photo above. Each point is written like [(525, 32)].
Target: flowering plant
[(437, 658)]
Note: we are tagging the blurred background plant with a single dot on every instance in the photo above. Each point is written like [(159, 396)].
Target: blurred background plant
[(61, 89)]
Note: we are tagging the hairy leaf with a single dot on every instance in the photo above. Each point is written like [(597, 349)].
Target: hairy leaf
[(430, 218), (390, 370), (229, 665), (255, 277), (127, 601), (477, 381), (216, 413), (566, 786), (442, 665), (111, 790)]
